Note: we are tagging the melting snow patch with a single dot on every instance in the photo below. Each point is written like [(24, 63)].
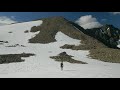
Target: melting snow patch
[(64, 39)]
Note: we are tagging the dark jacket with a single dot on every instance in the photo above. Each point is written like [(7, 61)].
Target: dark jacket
[(61, 64)]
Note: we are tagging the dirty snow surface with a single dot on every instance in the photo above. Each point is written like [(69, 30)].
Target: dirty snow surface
[(40, 65)]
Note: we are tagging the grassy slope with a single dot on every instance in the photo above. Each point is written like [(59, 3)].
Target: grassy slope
[(10, 58), (50, 27), (66, 58)]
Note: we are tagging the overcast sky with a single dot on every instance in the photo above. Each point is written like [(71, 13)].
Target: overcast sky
[(85, 19)]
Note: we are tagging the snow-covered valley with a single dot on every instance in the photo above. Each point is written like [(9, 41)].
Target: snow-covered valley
[(41, 65)]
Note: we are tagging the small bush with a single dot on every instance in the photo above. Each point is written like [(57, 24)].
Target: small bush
[(9, 32), (16, 45), (4, 41), (1, 41), (26, 31)]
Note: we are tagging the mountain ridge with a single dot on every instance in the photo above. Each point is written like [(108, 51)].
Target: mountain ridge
[(107, 34), (52, 25)]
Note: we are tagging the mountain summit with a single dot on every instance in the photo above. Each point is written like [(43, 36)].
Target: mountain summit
[(107, 34), (51, 26)]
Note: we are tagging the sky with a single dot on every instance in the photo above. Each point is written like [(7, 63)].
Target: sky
[(85, 19)]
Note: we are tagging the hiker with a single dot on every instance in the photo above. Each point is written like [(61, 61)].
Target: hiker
[(61, 65)]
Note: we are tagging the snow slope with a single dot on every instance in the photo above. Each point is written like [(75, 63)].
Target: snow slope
[(40, 65)]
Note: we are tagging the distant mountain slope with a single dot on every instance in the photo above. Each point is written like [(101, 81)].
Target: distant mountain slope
[(107, 34)]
